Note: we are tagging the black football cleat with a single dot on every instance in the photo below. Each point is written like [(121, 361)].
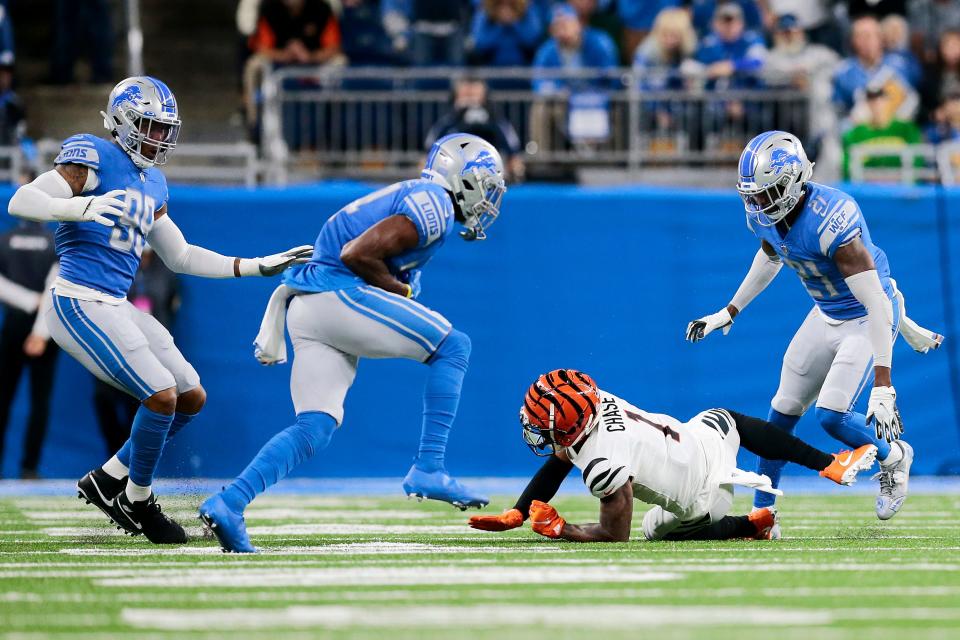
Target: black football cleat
[(99, 489), (145, 516)]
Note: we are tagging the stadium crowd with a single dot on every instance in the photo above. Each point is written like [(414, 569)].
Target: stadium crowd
[(877, 70)]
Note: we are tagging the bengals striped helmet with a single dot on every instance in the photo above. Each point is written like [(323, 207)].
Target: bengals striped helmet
[(558, 410)]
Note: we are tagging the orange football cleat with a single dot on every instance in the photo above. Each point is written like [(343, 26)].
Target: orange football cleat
[(847, 464), (766, 521)]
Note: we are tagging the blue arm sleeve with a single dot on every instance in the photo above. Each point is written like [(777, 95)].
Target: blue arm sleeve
[(529, 28)]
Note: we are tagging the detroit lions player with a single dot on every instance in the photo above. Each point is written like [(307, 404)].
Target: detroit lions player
[(355, 299), (820, 233), (109, 198)]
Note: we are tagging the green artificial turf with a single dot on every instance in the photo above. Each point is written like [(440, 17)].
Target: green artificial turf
[(344, 567)]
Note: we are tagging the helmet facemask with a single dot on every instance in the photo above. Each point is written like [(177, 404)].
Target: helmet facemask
[(479, 197), (138, 133)]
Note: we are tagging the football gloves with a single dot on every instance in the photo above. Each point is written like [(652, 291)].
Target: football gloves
[(510, 519), (882, 409), (272, 265), (545, 520), (97, 208), (700, 329)]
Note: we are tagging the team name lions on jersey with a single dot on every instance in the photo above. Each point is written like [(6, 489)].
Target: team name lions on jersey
[(106, 258), (664, 464), (829, 220), (425, 203)]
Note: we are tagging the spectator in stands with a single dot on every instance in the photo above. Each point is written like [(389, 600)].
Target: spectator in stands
[(506, 33), (365, 40), (945, 124), (815, 17), (665, 62), (155, 290), (883, 127), (732, 56), (27, 269), (638, 18), (796, 63), (896, 37), (571, 47), (869, 66), (431, 33), (471, 114), (942, 78), (82, 26), (705, 11), (289, 32), (929, 20), (12, 113)]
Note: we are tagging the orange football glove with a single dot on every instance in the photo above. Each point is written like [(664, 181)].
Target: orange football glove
[(507, 520), (545, 520)]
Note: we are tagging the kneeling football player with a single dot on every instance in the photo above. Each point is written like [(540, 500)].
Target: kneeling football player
[(685, 470)]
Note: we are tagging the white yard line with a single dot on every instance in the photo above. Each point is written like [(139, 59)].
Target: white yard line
[(526, 616)]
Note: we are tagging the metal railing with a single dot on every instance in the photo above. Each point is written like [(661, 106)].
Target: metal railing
[(229, 163), (355, 121), (902, 163)]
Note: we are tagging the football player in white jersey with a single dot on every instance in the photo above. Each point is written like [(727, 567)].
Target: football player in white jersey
[(685, 470), (847, 338)]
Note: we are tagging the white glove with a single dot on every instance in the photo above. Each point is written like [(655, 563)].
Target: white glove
[(882, 408), (272, 265), (95, 209), (700, 329)]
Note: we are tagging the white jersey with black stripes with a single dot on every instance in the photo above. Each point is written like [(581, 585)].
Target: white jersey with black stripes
[(670, 463)]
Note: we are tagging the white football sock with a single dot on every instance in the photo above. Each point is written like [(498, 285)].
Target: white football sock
[(136, 493), (115, 469), (895, 455)]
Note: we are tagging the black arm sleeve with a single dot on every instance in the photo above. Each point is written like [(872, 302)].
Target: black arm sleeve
[(544, 485)]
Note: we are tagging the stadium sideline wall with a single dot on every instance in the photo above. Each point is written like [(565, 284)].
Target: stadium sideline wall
[(602, 279)]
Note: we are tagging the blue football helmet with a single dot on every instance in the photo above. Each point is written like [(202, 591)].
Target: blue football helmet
[(142, 115), (773, 170), (469, 168)]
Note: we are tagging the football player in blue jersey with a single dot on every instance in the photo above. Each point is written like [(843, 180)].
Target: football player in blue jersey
[(355, 299), (109, 198), (847, 337)]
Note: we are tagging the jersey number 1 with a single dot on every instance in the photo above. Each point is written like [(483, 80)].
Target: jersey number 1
[(665, 430)]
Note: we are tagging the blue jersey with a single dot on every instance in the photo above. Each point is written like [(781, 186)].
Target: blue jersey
[(829, 220), (106, 258), (425, 203)]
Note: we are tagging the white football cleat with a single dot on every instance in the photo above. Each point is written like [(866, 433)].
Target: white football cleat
[(894, 479)]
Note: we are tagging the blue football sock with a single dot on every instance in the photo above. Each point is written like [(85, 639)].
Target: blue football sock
[(441, 397), (773, 468), (180, 420), (309, 435), (147, 436), (851, 429)]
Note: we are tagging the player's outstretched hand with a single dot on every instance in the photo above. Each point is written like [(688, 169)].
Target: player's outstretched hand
[(272, 265), (100, 206), (545, 520), (510, 519), (700, 329), (882, 410)]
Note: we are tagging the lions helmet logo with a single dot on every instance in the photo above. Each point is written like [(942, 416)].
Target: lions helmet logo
[(483, 160), (130, 94), (779, 159)]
